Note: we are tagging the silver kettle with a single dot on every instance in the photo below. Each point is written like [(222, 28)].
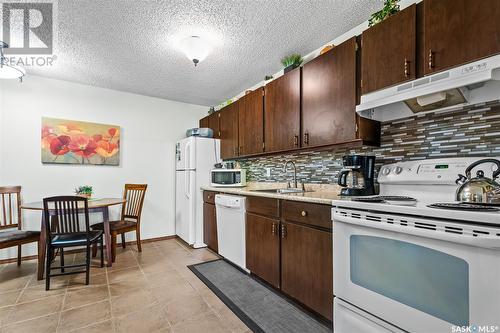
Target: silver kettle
[(479, 189)]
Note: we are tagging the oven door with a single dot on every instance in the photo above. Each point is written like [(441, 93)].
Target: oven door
[(417, 276)]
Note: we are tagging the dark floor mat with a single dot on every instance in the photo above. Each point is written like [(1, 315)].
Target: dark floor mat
[(258, 306)]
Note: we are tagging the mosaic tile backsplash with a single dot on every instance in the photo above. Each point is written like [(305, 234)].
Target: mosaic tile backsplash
[(471, 131)]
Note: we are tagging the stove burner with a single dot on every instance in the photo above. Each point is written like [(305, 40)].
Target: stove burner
[(464, 206), (384, 198)]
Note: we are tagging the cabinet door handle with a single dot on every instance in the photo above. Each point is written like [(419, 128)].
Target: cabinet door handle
[(306, 138), (407, 68), (296, 140), (273, 230), (283, 231), (431, 59), (303, 213)]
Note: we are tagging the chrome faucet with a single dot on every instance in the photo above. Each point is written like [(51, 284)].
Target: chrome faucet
[(294, 172)]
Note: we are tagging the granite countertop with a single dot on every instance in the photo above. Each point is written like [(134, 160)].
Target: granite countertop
[(315, 193)]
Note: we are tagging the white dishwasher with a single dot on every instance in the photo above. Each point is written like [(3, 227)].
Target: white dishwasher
[(230, 210)]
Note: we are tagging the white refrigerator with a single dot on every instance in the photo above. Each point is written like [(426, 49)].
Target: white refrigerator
[(194, 157)]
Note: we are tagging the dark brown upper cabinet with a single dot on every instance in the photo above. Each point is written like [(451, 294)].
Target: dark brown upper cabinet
[(482, 23), (213, 123), (204, 122), (251, 123), (282, 112), (456, 32), (329, 97), (388, 54), (228, 123)]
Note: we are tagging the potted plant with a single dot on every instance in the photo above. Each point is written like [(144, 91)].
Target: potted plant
[(84, 191), (291, 62), (391, 7)]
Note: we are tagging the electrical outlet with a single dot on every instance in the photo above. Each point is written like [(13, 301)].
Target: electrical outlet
[(268, 172)]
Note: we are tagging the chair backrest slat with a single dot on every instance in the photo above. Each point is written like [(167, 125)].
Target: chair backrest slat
[(65, 211), (3, 209), (10, 216), (10, 208), (134, 195)]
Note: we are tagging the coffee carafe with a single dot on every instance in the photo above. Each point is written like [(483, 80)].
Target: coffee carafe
[(357, 176)]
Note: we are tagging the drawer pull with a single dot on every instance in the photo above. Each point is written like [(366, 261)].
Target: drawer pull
[(304, 213)]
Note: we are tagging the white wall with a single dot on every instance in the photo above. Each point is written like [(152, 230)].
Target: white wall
[(149, 129), (1, 136)]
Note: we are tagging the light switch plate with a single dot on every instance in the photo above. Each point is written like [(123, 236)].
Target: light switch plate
[(268, 172)]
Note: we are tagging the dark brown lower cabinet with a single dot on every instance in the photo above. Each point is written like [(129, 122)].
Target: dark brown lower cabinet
[(263, 248), (307, 266), (289, 245), (210, 226)]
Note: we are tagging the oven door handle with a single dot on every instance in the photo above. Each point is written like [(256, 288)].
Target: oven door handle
[(479, 241)]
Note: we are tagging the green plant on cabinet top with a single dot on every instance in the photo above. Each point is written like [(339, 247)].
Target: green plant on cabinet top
[(390, 7)]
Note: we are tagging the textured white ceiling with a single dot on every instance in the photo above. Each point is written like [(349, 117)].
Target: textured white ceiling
[(129, 45)]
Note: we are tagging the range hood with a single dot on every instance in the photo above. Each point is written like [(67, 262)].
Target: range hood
[(474, 83)]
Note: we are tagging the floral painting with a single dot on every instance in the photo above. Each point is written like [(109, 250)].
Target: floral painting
[(78, 142)]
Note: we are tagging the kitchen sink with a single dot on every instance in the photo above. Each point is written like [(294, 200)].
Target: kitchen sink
[(281, 190)]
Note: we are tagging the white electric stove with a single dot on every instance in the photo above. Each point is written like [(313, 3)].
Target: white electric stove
[(401, 265)]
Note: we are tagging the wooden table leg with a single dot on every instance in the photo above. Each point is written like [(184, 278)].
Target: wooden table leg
[(42, 244), (107, 236)]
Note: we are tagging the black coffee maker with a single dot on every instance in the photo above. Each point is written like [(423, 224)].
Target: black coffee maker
[(357, 176)]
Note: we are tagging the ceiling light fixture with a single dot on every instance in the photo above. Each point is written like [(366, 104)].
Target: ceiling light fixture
[(9, 71), (195, 48)]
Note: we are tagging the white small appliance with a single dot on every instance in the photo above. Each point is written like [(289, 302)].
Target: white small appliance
[(228, 177), (230, 212), (427, 265), (202, 131), (194, 157)]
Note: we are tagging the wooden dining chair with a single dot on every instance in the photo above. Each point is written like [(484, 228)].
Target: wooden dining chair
[(65, 230), (130, 217), (11, 233)]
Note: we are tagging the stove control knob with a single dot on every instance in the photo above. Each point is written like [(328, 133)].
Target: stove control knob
[(386, 171), (398, 170)]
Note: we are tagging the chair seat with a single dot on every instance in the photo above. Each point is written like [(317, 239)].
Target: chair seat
[(18, 235), (116, 226), (75, 239)]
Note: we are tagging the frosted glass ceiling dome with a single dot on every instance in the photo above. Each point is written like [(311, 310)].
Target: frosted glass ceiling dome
[(195, 48)]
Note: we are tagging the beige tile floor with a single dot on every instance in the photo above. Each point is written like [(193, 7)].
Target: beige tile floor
[(152, 291)]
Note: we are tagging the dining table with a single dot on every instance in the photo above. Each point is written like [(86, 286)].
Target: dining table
[(100, 205)]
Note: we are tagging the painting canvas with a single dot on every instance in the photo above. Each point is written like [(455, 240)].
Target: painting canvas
[(78, 142)]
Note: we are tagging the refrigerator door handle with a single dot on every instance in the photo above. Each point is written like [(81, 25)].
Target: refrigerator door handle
[(187, 184), (187, 155)]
